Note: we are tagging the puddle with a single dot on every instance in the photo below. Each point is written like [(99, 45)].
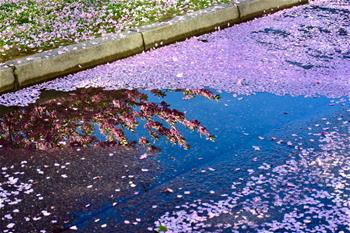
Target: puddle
[(272, 156)]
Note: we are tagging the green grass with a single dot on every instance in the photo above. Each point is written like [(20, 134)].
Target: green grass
[(31, 26)]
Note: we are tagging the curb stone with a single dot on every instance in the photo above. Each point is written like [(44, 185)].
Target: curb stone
[(253, 8), (33, 69), (58, 62), (182, 27), (7, 79)]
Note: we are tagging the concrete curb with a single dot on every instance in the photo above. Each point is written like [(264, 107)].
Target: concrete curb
[(182, 27), (58, 62), (7, 79), (253, 8), (51, 64)]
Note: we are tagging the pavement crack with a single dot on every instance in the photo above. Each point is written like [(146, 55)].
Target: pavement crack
[(239, 13), (16, 86), (143, 42)]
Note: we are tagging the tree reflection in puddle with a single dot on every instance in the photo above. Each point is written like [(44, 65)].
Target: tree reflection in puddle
[(53, 164), (96, 117)]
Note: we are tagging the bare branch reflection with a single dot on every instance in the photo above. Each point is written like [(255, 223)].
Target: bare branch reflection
[(96, 117)]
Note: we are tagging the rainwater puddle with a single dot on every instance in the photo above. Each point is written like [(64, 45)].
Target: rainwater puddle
[(198, 160)]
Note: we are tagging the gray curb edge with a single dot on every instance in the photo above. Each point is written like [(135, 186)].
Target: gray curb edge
[(37, 68)]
